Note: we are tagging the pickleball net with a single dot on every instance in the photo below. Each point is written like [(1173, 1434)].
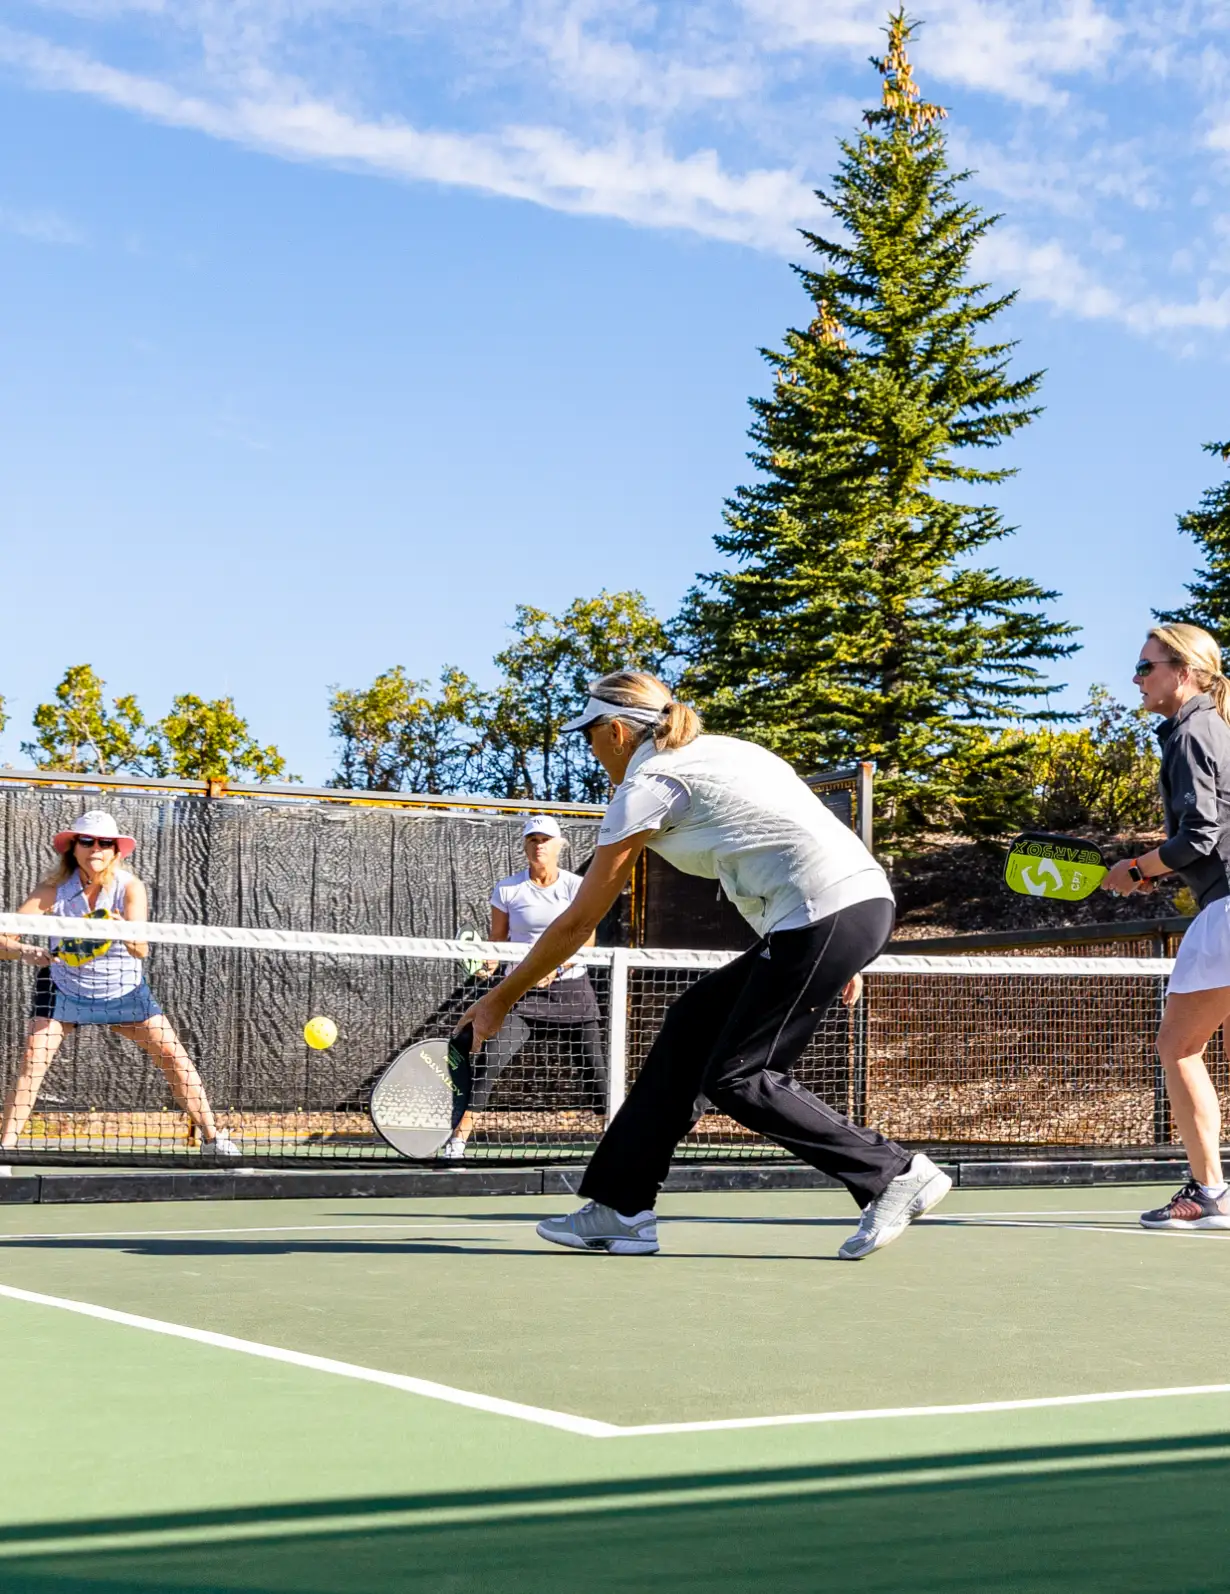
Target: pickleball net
[(986, 1055)]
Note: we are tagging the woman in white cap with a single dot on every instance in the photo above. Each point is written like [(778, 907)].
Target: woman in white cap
[(85, 981), (727, 810), (561, 1007)]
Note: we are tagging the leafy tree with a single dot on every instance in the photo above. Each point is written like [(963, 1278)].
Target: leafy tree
[(78, 733), (853, 618), (208, 740), (395, 736), (1102, 775), (1209, 528), (546, 671)]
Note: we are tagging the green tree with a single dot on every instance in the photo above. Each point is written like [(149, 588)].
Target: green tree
[(399, 734), (1102, 774), (1209, 528), (395, 735), (208, 740), (546, 671), (853, 618), (78, 733)]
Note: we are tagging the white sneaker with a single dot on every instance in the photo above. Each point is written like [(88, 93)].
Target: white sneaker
[(921, 1187), (598, 1228), (453, 1149), (220, 1146)]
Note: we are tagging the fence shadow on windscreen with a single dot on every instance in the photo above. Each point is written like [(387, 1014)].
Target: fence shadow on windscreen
[(1118, 1518)]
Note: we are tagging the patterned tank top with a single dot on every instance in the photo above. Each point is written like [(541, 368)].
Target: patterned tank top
[(95, 970)]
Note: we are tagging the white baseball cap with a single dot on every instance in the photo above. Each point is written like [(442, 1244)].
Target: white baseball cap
[(95, 823), (543, 825)]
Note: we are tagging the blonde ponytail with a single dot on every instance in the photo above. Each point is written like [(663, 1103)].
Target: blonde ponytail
[(1193, 647), (680, 725), (677, 724)]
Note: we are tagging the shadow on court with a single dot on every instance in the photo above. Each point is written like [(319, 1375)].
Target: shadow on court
[(204, 1247), (1119, 1518)]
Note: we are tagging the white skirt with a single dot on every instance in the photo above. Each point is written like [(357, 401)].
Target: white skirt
[(1203, 963)]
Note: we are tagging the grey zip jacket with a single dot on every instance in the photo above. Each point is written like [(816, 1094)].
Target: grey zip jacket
[(1195, 782)]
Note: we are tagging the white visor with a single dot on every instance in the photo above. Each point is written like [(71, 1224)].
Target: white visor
[(596, 710)]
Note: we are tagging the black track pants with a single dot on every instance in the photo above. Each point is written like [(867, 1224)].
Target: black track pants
[(734, 1037)]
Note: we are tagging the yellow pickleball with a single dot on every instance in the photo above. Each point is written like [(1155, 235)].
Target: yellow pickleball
[(320, 1033)]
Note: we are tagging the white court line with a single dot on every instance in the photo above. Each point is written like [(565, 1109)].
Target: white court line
[(588, 1427), (477, 1224), (1068, 1228), (1041, 1403), (324, 1364)]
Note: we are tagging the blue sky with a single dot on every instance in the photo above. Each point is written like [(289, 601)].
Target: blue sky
[(331, 329)]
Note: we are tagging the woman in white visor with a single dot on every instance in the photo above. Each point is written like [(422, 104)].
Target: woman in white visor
[(728, 810), (88, 981), (561, 1011)]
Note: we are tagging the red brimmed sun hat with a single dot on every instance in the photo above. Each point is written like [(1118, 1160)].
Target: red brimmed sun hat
[(95, 823)]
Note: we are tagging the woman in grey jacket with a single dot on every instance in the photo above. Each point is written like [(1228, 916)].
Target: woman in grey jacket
[(1180, 677)]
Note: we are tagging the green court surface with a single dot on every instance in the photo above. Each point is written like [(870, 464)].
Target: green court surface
[(405, 1394)]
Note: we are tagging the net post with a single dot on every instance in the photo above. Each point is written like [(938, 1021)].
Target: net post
[(617, 1046), (863, 802), (1163, 1128), (858, 1058)]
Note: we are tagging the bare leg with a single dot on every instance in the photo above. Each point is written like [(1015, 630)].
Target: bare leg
[(1188, 1024), (43, 1041), (164, 1048)]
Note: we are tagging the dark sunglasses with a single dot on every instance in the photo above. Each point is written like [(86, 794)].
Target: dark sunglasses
[(1147, 666), (107, 843)]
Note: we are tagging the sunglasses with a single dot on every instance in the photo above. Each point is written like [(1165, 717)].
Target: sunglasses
[(1147, 666), (107, 843)]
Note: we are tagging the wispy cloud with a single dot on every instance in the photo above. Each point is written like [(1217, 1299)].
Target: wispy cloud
[(40, 226), (1017, 49), (1099, 125), (632, 177)]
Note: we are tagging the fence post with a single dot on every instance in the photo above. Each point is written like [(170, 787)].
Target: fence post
[(617, 1049), (1162, 1126)]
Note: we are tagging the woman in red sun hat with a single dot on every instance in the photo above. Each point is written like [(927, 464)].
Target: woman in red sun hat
[(88, 981)]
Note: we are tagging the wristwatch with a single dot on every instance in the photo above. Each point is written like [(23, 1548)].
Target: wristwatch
[(1135, 872)]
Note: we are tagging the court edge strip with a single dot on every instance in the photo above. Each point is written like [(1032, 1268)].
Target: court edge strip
[(587, 1427)]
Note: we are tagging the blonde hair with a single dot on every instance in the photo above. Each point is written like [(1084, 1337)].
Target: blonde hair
[(66, 868), (678, 725), (1192, 646)]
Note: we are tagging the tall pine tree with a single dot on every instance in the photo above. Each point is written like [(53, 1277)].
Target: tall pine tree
[(1209, 528), (853, 621)]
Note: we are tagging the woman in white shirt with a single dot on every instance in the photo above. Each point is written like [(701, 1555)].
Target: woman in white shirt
[(561, 1008), (728, 810)]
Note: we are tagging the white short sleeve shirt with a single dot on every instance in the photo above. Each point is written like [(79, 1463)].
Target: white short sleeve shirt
[(532, 908), (651, 802)]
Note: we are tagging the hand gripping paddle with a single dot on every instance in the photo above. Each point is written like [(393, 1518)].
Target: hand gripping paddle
[(419, 1099), (1063, 868)]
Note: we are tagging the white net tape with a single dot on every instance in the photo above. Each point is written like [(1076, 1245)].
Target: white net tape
[(990, 1052)]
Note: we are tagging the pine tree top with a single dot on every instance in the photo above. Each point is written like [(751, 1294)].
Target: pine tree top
[(901, 104)]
